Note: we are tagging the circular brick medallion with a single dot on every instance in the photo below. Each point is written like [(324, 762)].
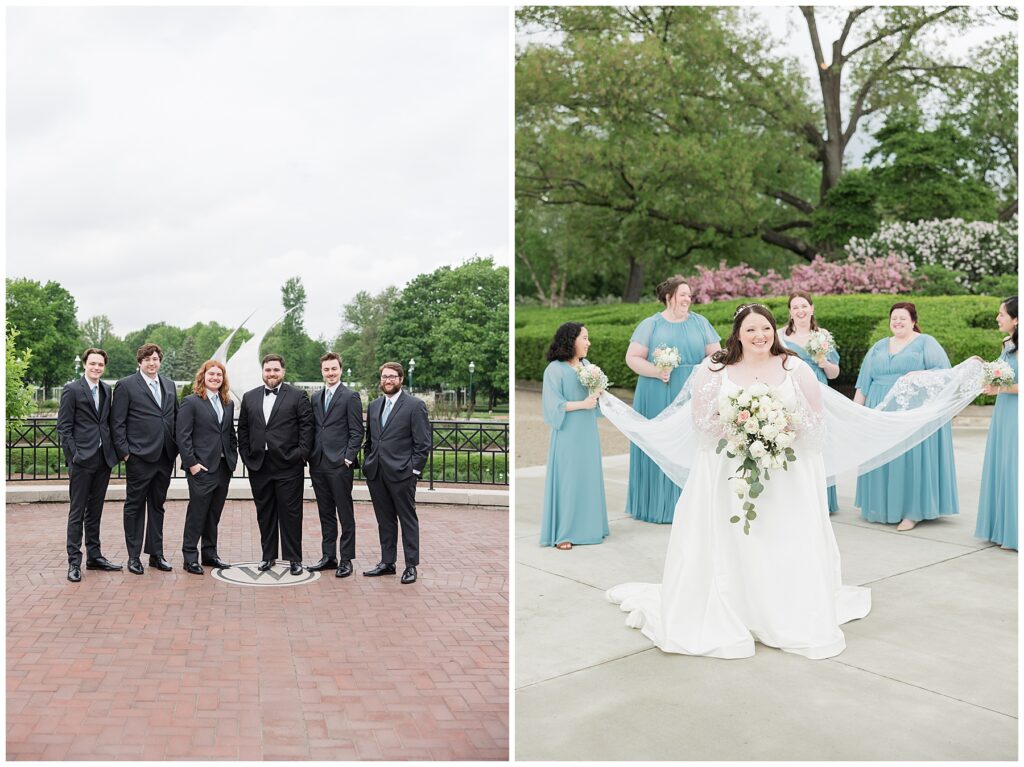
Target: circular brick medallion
[(248, 574)]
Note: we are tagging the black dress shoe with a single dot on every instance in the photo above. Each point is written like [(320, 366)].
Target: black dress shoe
[(194, 568), (101, 563), (266, 564), (160, 563), (323, 564), (382, 568), (409, 574), (74, 573), (344, 569), (135, 566), (296, 568), (217, 562)]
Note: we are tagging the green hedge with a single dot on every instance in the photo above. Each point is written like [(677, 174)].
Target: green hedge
[(964, 325)]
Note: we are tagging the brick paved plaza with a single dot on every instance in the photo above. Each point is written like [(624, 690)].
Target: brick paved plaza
[(177, 666)]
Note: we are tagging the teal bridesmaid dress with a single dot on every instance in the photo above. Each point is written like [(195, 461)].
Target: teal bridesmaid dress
[(651, 496), (921, 483), (574, 505), (997, 506), (833, 357)]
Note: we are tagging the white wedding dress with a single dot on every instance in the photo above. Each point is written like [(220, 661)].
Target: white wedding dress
[(779, 585)]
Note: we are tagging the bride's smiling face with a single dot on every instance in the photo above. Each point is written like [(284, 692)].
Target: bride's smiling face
[(756, 335)]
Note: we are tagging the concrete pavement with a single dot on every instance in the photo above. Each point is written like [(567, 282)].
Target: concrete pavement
[(929, 674)]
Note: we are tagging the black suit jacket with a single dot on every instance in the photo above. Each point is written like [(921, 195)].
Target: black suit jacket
[(338, 434), (285, 439), (81, 428), (403, 444), (137, 424), (201, 439)]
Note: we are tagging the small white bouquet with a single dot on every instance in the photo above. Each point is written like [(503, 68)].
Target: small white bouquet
[(667, 358), (592, 378), (998, 373), (819, 344), (760, 431)]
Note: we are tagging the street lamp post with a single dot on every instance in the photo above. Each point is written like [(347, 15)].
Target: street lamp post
[(78, 364), (469, 405), (412, 367)]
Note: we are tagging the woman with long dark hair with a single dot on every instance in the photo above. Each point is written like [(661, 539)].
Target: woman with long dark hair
[(650, 495), (921, 483), (997, 505), (574, 505), (796, 335)]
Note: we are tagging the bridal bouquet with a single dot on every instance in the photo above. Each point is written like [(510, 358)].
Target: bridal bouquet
[(760, 431), (820, 343), (592, 378), (667, 358), (998, 373)]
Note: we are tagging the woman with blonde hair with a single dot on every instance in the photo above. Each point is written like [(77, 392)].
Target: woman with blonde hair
[(208, 445)]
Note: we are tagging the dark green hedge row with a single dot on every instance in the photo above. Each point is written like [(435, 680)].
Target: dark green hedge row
[(964, 325)]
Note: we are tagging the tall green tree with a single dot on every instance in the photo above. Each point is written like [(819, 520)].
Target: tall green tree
[(44, 316), (362, 319), (19, 396), (98, 331), (289, 339), (449, 318)]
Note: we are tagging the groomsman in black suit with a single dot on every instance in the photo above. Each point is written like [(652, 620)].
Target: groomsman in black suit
[(206, 439), (83, 423), (275, 437), (396, 450), (337, 435), (142, 426)]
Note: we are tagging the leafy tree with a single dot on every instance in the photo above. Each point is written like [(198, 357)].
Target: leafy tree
[(44, 316), (927, 174), (301, 353), (19, 396), (447, 319), (98, 331), (362, 319), (850, 209)]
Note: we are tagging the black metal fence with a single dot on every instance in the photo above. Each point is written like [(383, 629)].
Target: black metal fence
[(464, 452)]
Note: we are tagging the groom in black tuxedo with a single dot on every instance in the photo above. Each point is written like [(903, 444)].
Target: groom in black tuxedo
[(83, 423), (142, 417), (396, 450), (275, 437), (337, 435)]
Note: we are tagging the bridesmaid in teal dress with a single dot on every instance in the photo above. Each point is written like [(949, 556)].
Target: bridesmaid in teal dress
[(798, 330), (997, 506), (650, 495), (921, 483), (574, 505)]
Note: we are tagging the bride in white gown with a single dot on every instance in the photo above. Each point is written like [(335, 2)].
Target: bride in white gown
[(781, 584)]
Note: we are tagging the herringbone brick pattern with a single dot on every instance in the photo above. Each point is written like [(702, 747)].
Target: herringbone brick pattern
[(174, 666)]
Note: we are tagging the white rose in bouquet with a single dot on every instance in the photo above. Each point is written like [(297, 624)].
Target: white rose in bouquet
[(777, 461), (751, 426), (744, 399), (738, 486), (757, 449), (758, 390), (784, 439), (770, 431)]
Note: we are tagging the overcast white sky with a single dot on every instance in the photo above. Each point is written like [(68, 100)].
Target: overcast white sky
[(179, 164)]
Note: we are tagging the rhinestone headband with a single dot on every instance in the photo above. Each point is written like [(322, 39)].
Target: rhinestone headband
[(741, 307)]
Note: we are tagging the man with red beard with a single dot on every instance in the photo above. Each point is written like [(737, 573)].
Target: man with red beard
[(396, 450)]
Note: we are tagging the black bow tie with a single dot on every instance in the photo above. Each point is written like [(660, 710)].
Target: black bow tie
[(269, 391)]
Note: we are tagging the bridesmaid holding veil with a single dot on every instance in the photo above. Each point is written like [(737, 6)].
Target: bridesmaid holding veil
[(997, 506), (650, 495), (798, 330)]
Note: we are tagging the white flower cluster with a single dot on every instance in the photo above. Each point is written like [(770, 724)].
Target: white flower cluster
[(760, 431), (998, 373), (592, 378), (667, 357), (819, 343), (977, 248)]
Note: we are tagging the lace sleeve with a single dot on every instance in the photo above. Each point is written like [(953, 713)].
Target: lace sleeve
[(707, 385), (810, 412)]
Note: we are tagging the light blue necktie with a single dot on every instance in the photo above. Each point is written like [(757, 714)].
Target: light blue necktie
[(327, 399), (385, 414), (156, 391), (96, 397), (215, 401)]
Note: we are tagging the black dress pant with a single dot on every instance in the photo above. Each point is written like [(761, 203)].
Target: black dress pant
[(333, 488), (88, 487), (207, 492), (278, 497), (394, 503), (145, 493)]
